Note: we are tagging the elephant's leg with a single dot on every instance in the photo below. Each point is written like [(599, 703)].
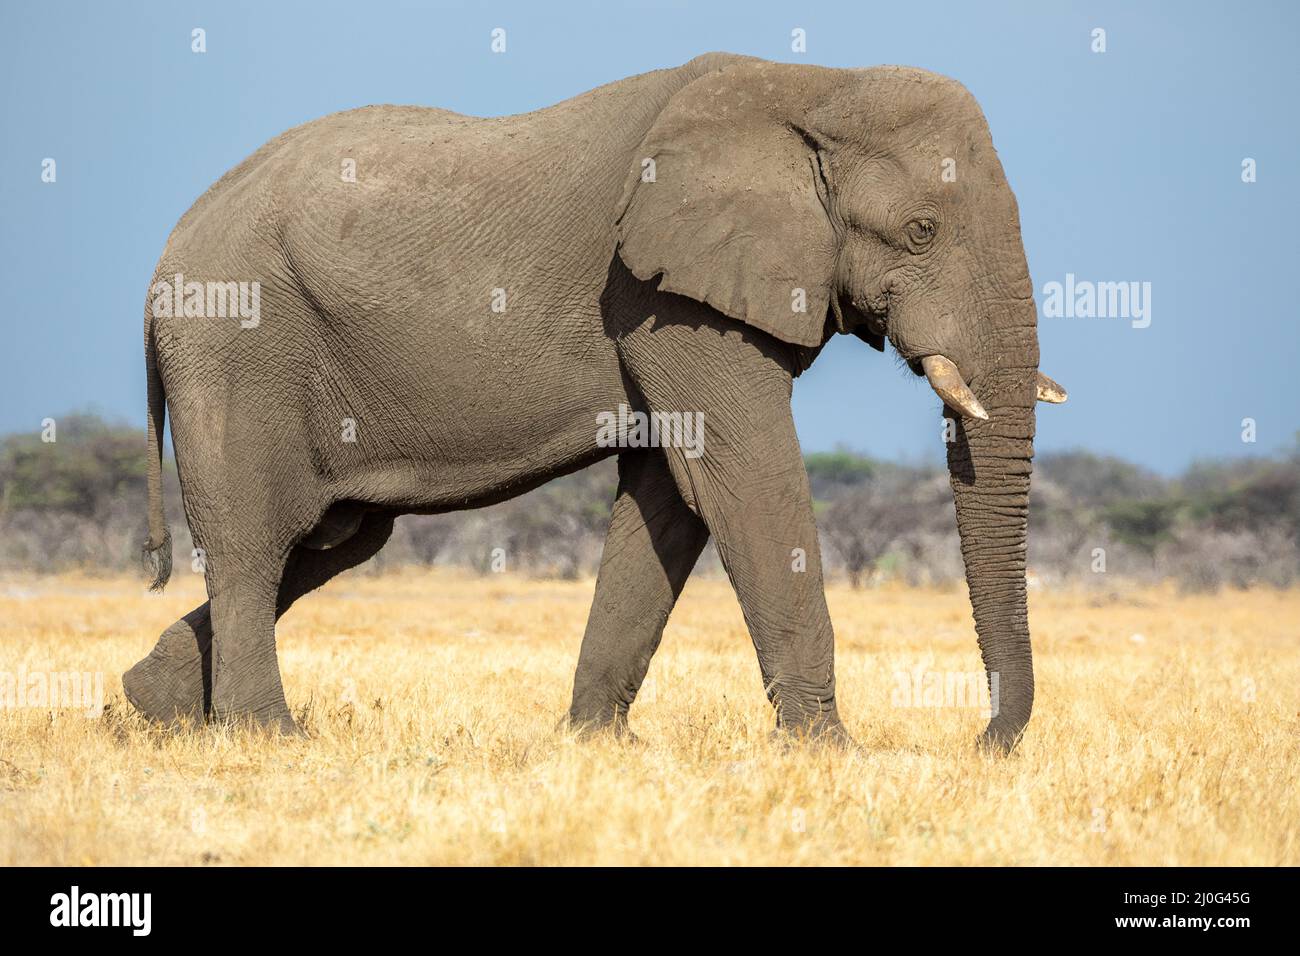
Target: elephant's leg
[(244, 584), (175, 679), (746, 480), (651, 546), (245, 667)]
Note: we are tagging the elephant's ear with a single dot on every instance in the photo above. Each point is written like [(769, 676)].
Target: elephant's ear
[(727, 202)]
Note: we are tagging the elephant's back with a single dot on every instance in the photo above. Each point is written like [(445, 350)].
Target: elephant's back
[(421, 145), (256, 173)]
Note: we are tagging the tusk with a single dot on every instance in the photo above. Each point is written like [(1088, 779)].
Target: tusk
[(949, 385), (1049, 391)]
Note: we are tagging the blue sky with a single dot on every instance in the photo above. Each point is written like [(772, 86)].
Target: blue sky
[(1127, 165)]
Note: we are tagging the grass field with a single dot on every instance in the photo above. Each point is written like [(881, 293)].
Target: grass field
[(1165, 732)]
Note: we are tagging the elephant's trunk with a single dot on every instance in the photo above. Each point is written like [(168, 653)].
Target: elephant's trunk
[(990, 464)]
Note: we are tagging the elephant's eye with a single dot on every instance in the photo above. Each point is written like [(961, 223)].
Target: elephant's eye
[(920, 233)]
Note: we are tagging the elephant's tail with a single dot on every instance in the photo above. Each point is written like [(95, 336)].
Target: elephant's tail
[(157, 551)]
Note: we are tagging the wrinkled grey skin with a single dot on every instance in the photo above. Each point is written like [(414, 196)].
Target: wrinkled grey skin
[(675, 295)]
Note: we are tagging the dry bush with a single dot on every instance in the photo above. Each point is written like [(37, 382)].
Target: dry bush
[(1203, 560), (79, 504)]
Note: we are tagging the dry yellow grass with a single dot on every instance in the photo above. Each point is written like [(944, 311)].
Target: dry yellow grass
[(432, 702)]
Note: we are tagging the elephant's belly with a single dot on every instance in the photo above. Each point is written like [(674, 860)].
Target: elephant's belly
[(431, 446), (493, 474)]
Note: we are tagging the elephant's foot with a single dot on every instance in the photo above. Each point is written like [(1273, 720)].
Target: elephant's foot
[(252, 698), (828, 732), (256, 705), (173, 682), (591, 727), (275, 723)]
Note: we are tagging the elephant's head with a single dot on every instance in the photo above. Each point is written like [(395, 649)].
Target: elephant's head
[(806, 201)]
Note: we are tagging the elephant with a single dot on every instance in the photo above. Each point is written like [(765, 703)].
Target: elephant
[(446, 306)]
